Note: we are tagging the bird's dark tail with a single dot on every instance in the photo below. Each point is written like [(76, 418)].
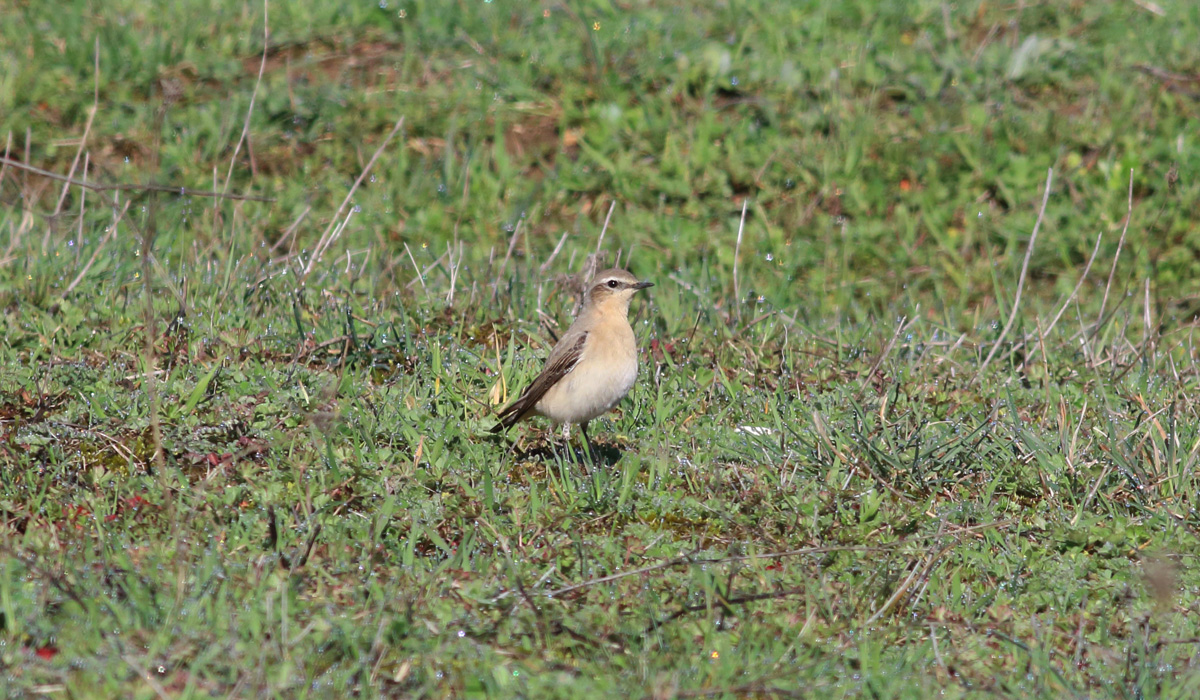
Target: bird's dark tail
[(511, 415)]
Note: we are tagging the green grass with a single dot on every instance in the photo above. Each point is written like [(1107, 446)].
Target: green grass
[(817, 488)]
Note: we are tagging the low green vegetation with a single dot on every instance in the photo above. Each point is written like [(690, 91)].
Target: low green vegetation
[(885, 443)]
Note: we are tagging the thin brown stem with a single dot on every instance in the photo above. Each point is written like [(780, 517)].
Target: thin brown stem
[(101, 187), (1012, 316)]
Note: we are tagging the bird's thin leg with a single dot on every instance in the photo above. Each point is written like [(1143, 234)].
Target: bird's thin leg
[(561, 451), (587, 443), (558, 456)]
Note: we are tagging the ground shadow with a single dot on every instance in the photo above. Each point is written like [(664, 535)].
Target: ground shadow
[(603, 454)]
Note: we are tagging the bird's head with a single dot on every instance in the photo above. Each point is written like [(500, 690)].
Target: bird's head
[(614, 286)]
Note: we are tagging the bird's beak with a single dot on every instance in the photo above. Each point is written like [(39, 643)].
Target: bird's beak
[(643, 285)]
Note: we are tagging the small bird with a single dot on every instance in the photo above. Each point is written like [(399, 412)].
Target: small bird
[(592, 367)]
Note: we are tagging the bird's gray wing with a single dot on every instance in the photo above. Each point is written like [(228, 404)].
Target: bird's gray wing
[(562, 360)]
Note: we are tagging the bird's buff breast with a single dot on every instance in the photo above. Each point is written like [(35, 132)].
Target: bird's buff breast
[(593, 388)]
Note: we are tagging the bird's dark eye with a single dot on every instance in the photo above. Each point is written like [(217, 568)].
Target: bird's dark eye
[(612, 284)]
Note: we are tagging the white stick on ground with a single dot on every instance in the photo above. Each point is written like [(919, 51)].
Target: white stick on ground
[(737, 252), (326, 239)]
